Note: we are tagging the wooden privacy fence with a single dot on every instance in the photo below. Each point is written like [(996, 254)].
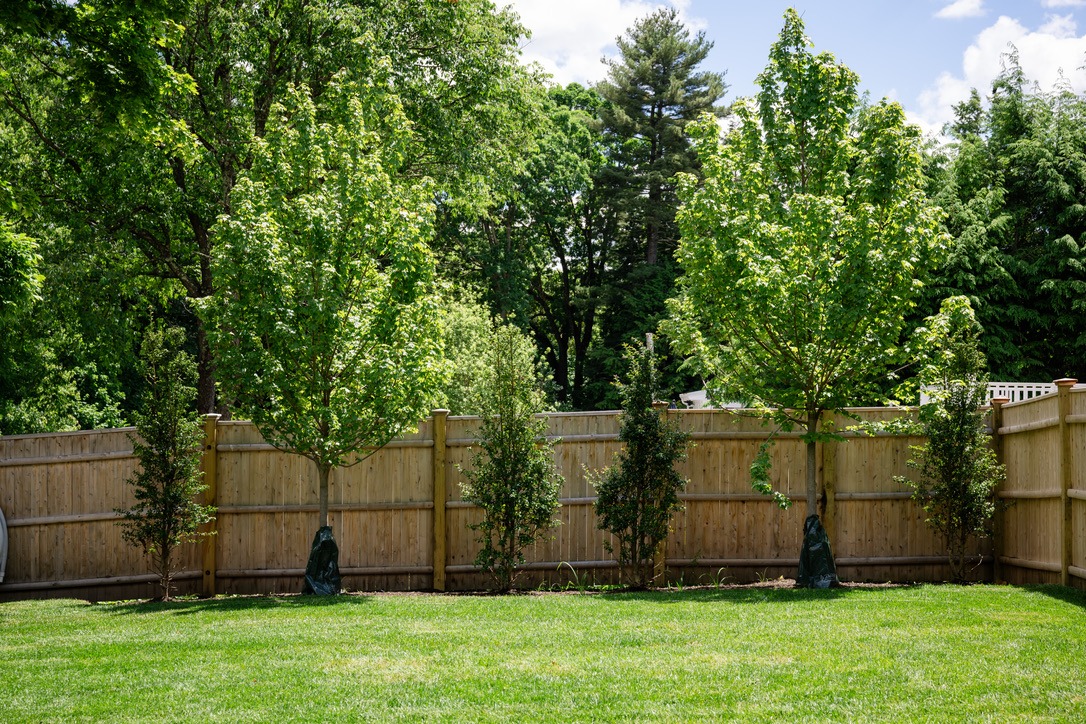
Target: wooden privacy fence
[(401, 524), (1042, 533)]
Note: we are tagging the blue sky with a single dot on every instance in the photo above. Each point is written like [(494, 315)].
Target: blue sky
[(926, 54)]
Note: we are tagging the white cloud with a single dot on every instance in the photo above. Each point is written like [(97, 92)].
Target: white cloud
[(1054, 47), (569, 37), (962, 9)]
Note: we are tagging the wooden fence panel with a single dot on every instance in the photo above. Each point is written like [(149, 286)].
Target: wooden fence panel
[(59, 491), (1031, 452)]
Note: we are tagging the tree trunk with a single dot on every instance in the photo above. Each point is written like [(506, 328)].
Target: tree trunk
[(323, 471), (205, 366), (812, 464)]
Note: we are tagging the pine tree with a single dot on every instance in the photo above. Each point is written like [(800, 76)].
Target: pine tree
[(654, 89)]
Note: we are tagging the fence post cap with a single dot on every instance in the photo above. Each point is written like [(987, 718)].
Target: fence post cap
[(1065, 382), (997, 401)]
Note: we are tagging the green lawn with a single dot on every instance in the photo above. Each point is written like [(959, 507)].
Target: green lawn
[(928, 653)]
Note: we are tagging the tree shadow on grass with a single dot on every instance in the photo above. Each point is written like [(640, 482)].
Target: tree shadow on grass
[(224, 604), (1073, 596), (738, 594)]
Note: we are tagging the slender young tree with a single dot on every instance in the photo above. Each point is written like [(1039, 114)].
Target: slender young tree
[(168, 443), (806, 244), (512, 477), (639, 493), (327, 324), (958, 470)]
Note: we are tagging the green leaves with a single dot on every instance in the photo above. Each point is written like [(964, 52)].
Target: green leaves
[(638, 494), (806, 245), (513, 478), (326, 319)]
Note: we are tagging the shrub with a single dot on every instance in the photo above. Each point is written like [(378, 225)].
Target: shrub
[(513, 478), (958, 471), (167, 443), (638, 494)]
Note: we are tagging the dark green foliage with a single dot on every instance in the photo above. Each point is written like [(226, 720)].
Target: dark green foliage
[(654, 90), (1013, 187), (168, 445), (513, 476), (136, 120), (958, 471), (20, 281), (639, 493)]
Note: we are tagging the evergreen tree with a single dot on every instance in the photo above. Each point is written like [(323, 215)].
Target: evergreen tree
[(654, 89), (167, 444), (638, 495), (513, 476), (958, 470), (1014, 187)]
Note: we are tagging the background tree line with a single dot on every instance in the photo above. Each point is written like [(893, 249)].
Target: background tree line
[(123, 134)]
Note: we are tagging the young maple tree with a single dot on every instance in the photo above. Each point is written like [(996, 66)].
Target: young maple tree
[(805, 246), (327, 325)]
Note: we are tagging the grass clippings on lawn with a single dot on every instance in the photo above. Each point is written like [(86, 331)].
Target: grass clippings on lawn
[(927, 653)]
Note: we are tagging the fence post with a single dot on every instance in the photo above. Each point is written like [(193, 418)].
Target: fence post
[(440, 418), (659, 556), (1063, 387), (997, 404), (210, 465)]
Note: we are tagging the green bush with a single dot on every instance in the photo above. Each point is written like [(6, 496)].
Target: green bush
[(958, 471), (168, 444), (638, 494), (513, 477)]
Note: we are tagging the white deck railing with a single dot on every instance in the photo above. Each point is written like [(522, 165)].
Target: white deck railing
[(1013, 391)]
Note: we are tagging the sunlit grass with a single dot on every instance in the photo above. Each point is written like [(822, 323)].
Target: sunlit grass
[(934, 653)]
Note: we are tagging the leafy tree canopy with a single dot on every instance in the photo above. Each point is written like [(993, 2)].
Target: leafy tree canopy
[(327, 325), (806, 244)]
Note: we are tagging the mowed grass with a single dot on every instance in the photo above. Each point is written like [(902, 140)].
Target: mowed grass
[(926, 653)]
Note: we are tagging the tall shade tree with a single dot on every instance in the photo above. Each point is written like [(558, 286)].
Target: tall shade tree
[(806, 244), (141, 117), (326, 325), (546, 253), (654, 89)]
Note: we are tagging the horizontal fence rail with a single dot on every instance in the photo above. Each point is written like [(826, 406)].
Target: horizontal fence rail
[(401, 523)]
